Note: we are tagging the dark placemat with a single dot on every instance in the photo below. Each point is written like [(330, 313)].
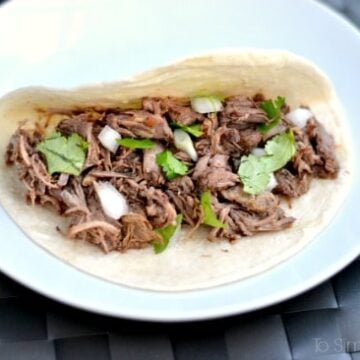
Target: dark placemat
[(323, 324)]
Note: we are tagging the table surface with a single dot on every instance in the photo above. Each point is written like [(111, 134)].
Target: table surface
[(323, 323)]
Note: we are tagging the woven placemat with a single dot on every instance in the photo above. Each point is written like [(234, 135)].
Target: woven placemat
[(322, 324)]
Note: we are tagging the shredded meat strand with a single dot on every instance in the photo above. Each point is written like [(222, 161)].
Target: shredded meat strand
[(240, 111), (138, 232)]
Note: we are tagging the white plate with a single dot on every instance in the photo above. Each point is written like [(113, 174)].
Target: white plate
[(66, 43)]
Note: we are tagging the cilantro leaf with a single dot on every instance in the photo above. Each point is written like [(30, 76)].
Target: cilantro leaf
[(167, 233), (209, 217), (254, 174), (194, 130), (281, 148), (255, 171), (136, 143), (272, 109), (64, 155), (171, 166)]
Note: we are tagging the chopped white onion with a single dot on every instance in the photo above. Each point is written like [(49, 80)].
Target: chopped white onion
[(258, 151), (183, 142), (108, 137), (113, 203), (207, 104), (299, 116), (272, 183)]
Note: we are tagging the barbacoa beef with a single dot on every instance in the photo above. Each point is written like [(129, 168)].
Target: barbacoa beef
[(232, 141), (263, 203), (148, 200), (291, 185), (241, 222), (181, 192), (214, 173), (137, 232), (151, 169), (178, 110), (323, 144), (240, 111), (315, 157), (153, 200), (140, 124)]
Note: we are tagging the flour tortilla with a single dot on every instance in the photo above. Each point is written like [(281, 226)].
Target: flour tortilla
[(191, 263)]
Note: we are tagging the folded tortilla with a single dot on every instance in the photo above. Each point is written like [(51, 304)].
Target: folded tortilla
[(195, 262)]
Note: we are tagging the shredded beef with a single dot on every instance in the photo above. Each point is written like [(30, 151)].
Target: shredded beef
[(265, 202), (183, 156), (19, 149), (182, 184), (249, 138), (232, 141), (226, 141), (178, 110), (291, 185), (214, 173), (77, 124), (153, 105), (88, 222), (140, 123), (73, 197), (128, 162), (182, 113), (240, 111), (250, 223), (148, 200), (137, 232), (31, 169), (151, 169), (324, 146), (155, 201), (305, 158), (209, 125), (181, 193), (202, 146), (315, 157), (243, 222), (98, 232)]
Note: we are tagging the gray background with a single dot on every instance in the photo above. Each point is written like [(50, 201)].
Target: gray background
[(322, 324)]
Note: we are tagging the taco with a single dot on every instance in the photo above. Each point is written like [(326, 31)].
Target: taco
[(192, 175)]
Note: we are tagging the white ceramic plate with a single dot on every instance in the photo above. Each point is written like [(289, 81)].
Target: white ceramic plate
[(67, 43)]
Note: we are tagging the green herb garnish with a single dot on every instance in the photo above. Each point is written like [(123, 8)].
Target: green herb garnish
[(255, 171), (254, 174), (136, 143), (166, 233), (272, 109), (280, 149), (194, 130), (171, 166), (209, 217), (64, 154)]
